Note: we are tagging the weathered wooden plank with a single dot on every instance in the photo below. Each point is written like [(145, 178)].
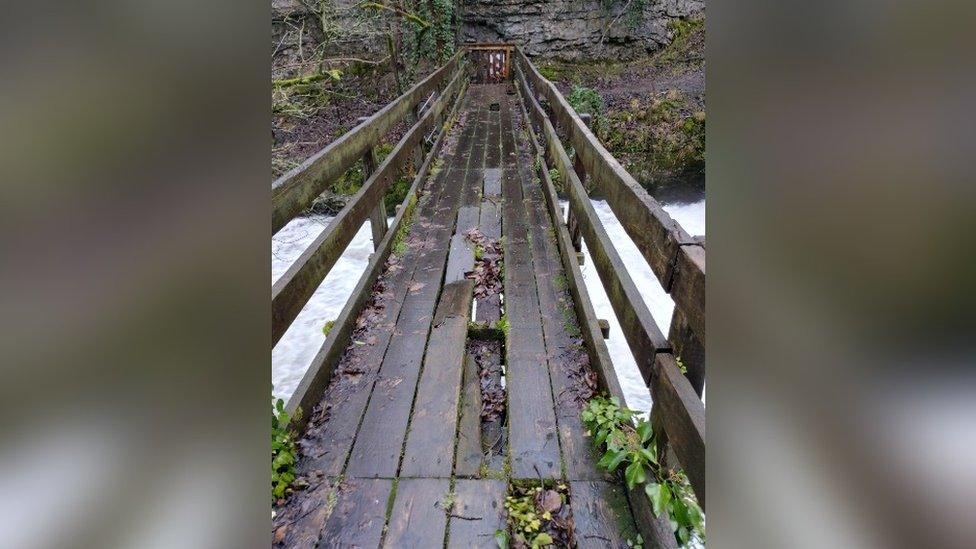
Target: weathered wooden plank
[(319, 372), (433, 425), (563, 352), (477, 514), (689, 349), (301, 525), (294, 191), (596, 347), (460, 260), (359, 514), (683, 414), (656, 531), (469, 453), (418, 518), (601, 515), (347, 400), (639, 327), (533, 439), (688, 287), (376, 451), (653, 231), (293, 289), (378, 446)]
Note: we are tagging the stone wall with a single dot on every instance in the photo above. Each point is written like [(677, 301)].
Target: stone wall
[(572, 29), (564, 29)]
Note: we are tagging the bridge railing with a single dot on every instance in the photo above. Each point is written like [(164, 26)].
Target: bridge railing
[(677, 260), (295, 191)]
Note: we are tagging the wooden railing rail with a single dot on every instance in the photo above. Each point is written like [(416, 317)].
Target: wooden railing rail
[(290, 292), (676, 402), (293, 192), (319, 373), (677, 259)]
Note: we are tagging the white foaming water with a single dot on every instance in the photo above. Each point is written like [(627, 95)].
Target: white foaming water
[(294, 352), (297, 347), (692, 218)]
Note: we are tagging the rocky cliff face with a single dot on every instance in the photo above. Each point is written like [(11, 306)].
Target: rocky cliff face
[(562, 29), (574, 29)]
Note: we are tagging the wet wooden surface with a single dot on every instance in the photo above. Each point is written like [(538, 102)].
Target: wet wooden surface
[(398, 436), (477, 513)]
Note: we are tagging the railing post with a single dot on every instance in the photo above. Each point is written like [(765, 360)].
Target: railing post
[(571, 222), (689, 349), (377, 218)]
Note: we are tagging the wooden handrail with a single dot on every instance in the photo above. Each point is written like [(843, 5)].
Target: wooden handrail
[(293, 192), (290, 293), (676, 258)]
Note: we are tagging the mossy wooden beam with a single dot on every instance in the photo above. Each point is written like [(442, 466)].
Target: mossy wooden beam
[(659, 238), (290, 293), (294, 191)]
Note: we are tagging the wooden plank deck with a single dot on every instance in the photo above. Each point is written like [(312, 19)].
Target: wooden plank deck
[(396, 439)]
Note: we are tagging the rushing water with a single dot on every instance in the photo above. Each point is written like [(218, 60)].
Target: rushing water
[(691, 216), (296, 348), (293, 353)]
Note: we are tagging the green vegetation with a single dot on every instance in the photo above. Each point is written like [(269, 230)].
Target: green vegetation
[(632, 444), (283, 450), (399, 240), (557, 179), (663, 134), (682, 32), (502, 324), (586, 100), (327, 328), (531, 512)]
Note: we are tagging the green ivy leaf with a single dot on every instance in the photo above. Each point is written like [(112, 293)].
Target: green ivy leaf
[(645, 431), (634, 474), (501, 538), (653, 491), (683, 535), (542, 539)]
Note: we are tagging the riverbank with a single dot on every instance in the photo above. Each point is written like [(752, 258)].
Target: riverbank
[(650, 113)]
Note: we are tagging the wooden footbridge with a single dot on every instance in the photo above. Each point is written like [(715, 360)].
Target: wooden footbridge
[(462, 360)]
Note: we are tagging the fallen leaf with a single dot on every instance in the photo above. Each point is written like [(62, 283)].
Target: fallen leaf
[(279, 535), (551, 501), (415, 287)]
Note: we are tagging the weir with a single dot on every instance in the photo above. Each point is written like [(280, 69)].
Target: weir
[(461, 362)]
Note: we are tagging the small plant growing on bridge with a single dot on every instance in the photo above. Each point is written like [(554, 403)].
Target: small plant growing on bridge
[(538, 516), (557, 178), (327, 328), (283, 450), (632, 444), (502, 324)]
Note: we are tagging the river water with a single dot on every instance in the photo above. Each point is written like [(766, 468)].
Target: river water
[(294, 352)]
